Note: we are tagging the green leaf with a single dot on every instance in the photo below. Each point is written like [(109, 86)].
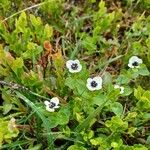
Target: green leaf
[(17, 63), (76, 147), (85, 124), (148, 140), (48, 32), (143, 71), (131, 116), (146, 116), (8, 130), (21, 23), (17, 66), (131, 130), (99, 99), (116, 124), (123, 79), (138, 92), (36, 147), (117, 108), (63, 116), (143, 97), (70, 82), (54, 121), (33, 50), (36, 21), (107, 78), (89, 44), (6, 108), (102, 8), (127, 91)]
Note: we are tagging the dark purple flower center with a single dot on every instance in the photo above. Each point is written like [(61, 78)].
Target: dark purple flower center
[(93, 84), (135, 63), (52, 105), (74, 66)]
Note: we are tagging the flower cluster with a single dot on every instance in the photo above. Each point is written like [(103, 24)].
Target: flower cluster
[(93, 83)]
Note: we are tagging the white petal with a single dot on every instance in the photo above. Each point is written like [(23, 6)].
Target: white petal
[(130, 65), (79, 67), (116, 86), (55, 100), (98, 80), (140, 61), (56, 107), (99, 86), (69, 63), (135, 59), (89, 80), (137, 66), (50, 109), (90, 87), (77, 61), (75, 71), (121, 90), (46, 103)]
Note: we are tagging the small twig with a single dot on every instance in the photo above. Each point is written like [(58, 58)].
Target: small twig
[(20, 87), (103, 71), (24, 127), (107, 63), (28, 8)]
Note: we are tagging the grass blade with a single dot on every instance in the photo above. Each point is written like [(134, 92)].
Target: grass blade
[(45, 122), (15, 144), (86, 122)]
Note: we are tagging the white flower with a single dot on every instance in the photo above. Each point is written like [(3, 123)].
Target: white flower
[(94, 83), (134, 62), (74, 66), (52, 104), (119, 87)]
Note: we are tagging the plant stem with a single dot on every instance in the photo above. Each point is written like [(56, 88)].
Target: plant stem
[(85, 123)]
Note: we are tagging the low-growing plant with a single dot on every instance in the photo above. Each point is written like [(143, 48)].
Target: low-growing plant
[(74, 75)]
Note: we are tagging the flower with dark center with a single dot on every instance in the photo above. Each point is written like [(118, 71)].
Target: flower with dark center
[(134, 62), (74, 66), (94, 83), (52, 104)]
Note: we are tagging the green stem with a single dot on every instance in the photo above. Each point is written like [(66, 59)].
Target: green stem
[(20, 87), (86, 122)]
